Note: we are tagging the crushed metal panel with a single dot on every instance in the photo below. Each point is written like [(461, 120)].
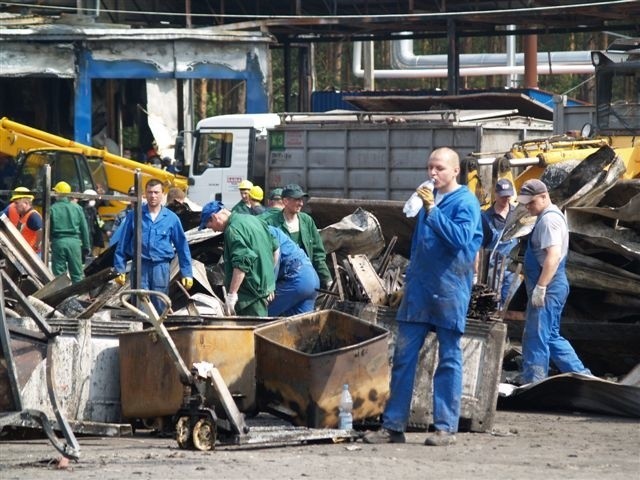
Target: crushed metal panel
[(199, 274), (62, 290), (358, 233), (629, 212), (19, 59), (597, 231), (326, 211), (368, 279), (588, 272), (574, 392), (489, 100), (278, 435)]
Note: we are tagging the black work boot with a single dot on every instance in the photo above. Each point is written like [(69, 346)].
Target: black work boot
[(384, 435), (440, 438)]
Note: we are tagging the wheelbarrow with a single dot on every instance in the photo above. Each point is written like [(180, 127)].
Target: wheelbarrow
[(197, 425)]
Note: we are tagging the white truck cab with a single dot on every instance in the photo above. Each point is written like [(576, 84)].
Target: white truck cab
[(226, 150)]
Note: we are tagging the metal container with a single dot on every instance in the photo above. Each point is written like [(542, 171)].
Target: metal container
[(149, 382), (482, 352), (86, 368), (303, 362)]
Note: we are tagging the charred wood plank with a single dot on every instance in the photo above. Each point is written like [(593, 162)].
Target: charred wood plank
[(87, 284)]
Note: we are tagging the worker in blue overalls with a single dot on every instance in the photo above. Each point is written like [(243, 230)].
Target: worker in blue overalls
[(162, 238), (494, 220), (297, 282), (547, 287), (438, 282)]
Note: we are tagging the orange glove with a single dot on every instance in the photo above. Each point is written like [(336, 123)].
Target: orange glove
[(426, 195)]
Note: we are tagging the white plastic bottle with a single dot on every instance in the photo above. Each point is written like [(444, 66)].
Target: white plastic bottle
[(414, 204), (346, 409)]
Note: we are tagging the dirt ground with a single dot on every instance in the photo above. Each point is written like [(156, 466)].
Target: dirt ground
[(521, 446)]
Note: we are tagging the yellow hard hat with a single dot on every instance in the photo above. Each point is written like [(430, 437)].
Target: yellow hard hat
[(62, 187), (21, 192), (245, 185), (256, 193)]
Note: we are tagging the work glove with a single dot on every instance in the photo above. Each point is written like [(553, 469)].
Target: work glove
[(426, 195), (121, 279), (230, 301), (187, 282), (395, 298), (537, 297)]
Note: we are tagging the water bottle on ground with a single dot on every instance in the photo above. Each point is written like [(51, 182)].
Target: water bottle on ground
[(346, 409), (414, 204)]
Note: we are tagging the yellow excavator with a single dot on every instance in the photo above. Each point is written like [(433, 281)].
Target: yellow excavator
[(617, 125), (81, 166)]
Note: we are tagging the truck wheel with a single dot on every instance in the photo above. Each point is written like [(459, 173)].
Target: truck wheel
[(204, 435), (184, 433)]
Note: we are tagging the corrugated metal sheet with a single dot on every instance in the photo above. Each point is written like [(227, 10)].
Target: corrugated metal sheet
[(529, 102)]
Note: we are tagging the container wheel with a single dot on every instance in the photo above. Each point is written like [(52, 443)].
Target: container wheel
[(204, 435), (184, 433)]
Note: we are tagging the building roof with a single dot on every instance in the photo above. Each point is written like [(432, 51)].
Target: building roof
[(319, 20)]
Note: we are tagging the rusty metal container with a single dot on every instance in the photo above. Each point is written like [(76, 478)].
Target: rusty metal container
[(149, 382), (303, 361)]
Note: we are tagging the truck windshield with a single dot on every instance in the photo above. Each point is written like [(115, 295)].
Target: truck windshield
[(213, 150)]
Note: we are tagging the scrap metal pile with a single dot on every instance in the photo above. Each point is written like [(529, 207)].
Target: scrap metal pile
[(368, 247)]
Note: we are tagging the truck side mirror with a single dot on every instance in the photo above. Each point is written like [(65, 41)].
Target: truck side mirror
[(178, 149)]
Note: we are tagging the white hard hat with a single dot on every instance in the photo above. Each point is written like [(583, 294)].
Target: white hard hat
[(92, 202)]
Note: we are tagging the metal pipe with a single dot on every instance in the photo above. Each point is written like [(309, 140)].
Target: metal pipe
[(486, 160), (531, 61), (369, 66), (403, 57), (521, 162), (512, 81), (543, 69), (46, 214), (453, 59)]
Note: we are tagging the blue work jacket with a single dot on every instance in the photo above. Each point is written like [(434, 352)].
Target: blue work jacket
[(161, 241), (440, 273)]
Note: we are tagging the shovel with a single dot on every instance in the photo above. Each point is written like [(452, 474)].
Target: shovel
[(192, 309)]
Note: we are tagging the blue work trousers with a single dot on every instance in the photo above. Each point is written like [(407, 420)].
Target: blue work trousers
[(296, 291), (155, 276), (447, 380), (541, 339)]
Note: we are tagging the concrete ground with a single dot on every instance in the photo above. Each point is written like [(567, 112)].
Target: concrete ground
[(521, 446)]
